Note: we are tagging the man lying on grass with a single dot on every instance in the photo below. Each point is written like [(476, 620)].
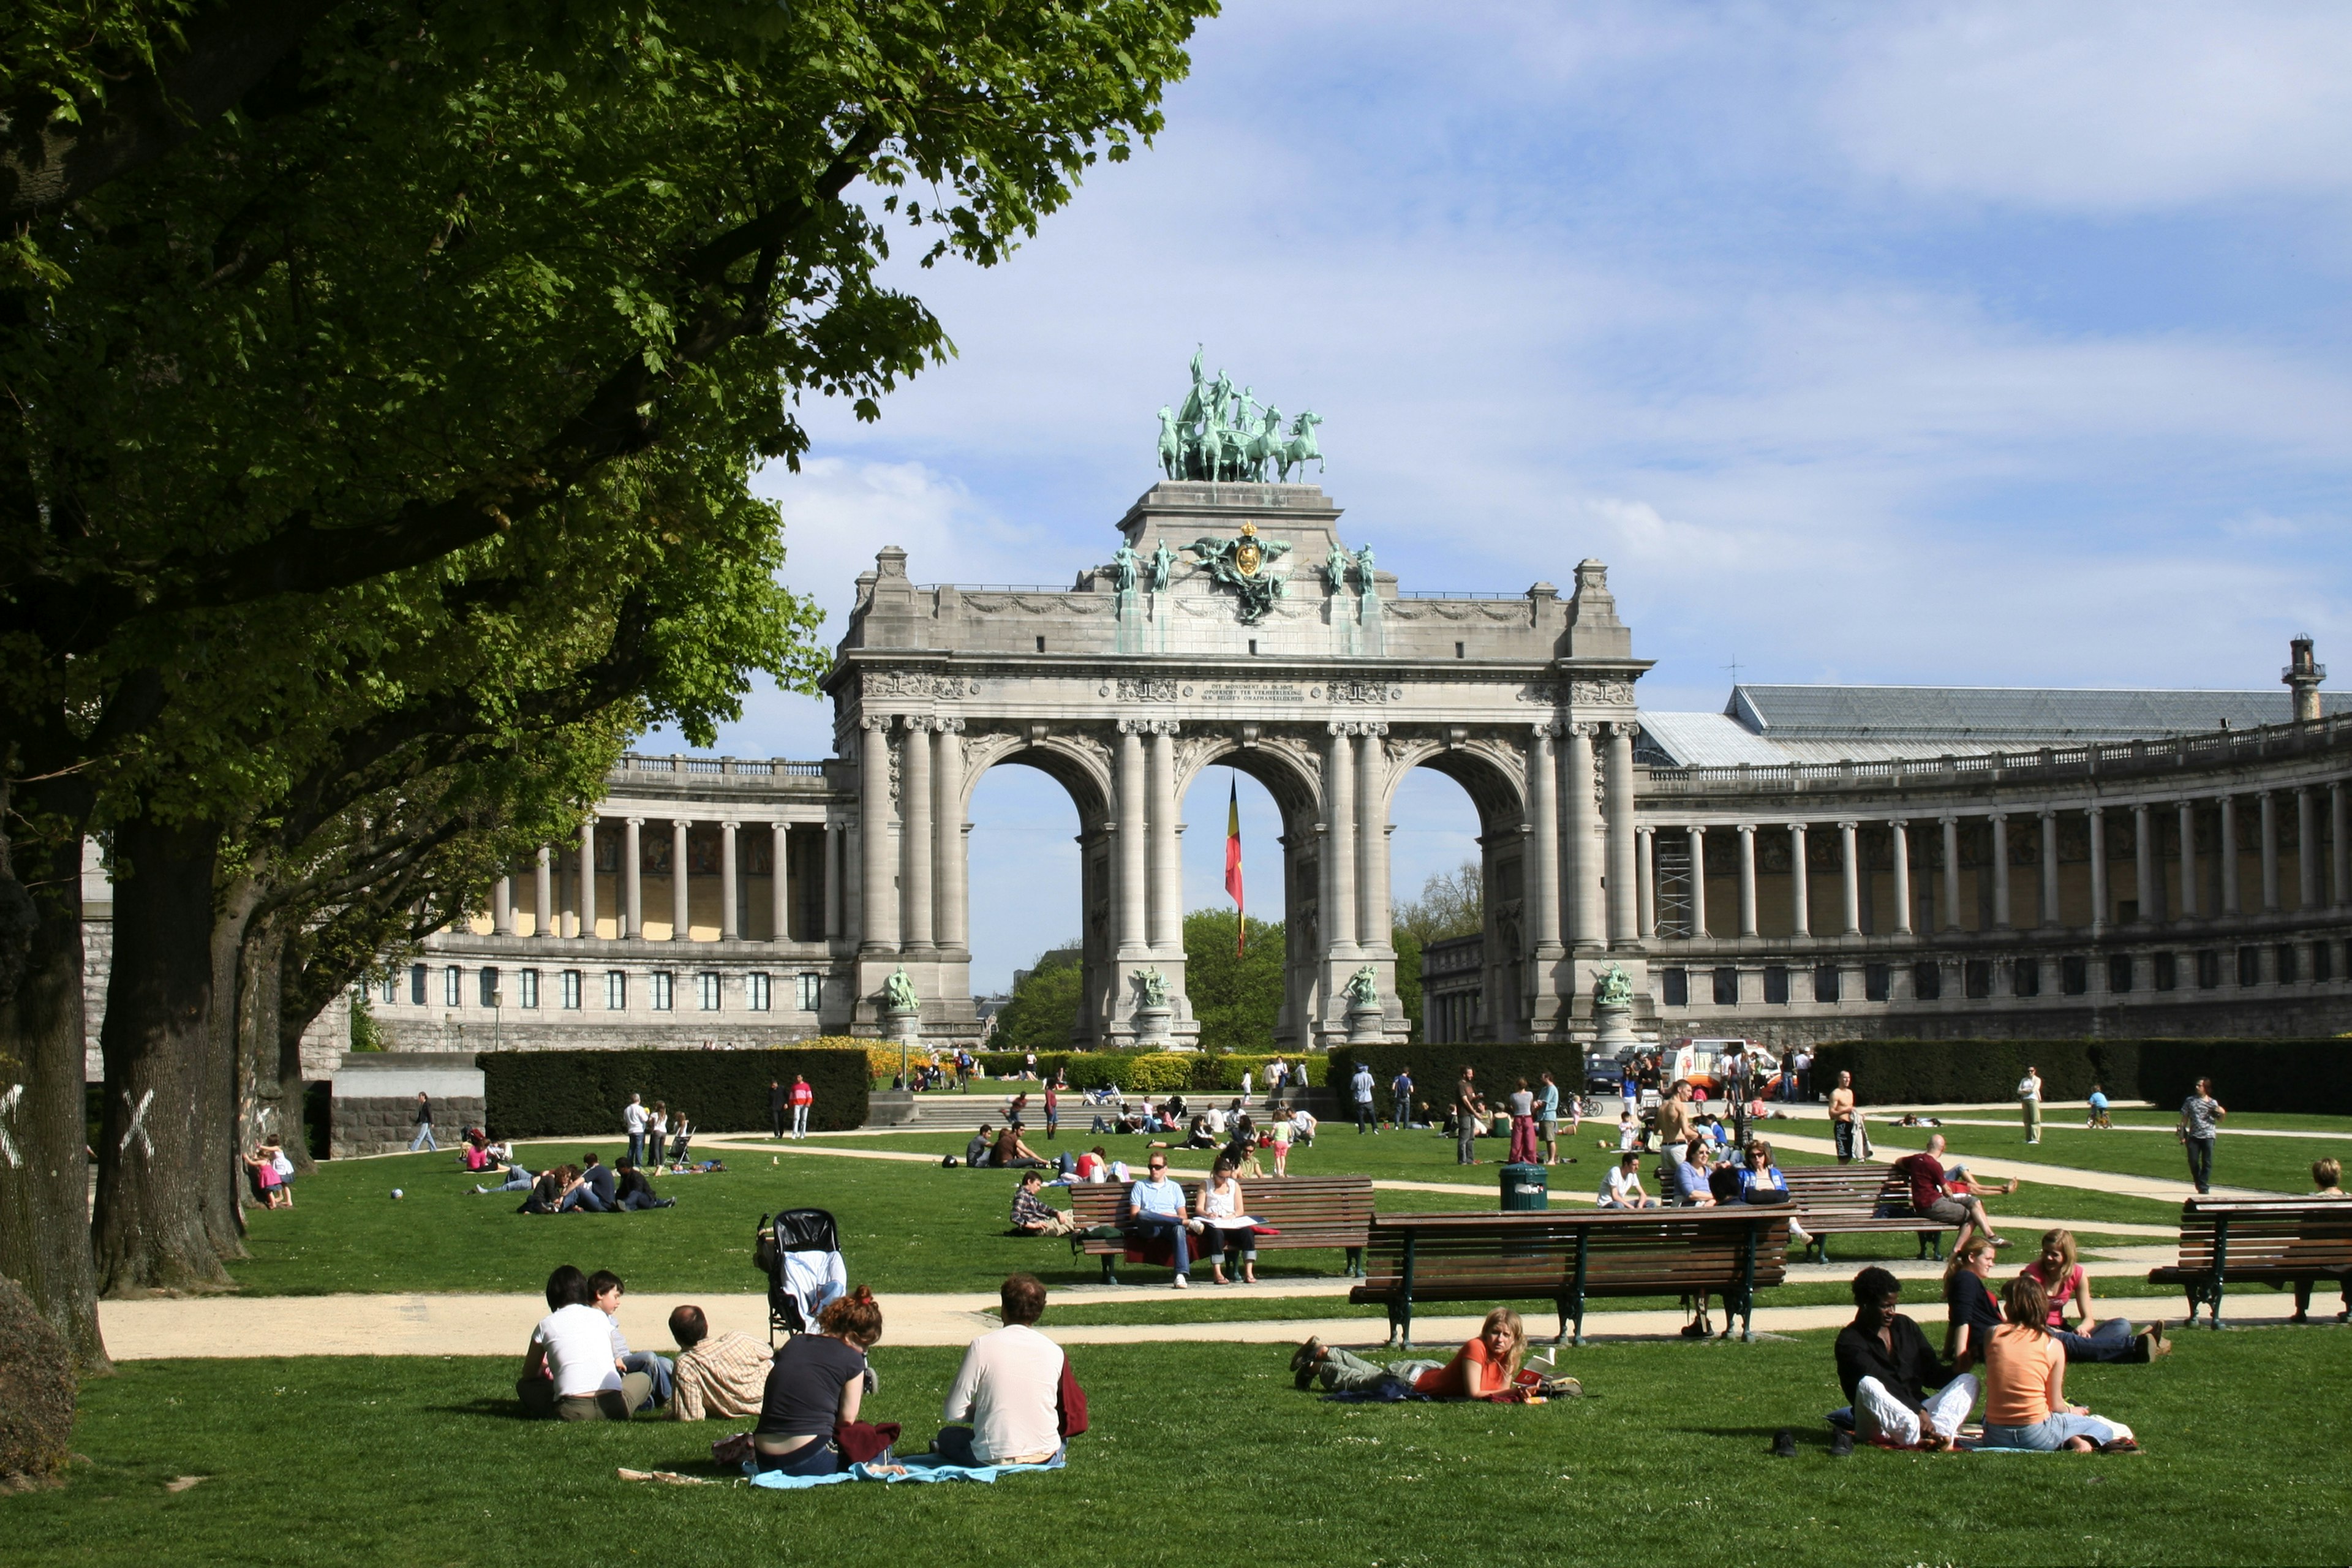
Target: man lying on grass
[(1486, 1367)]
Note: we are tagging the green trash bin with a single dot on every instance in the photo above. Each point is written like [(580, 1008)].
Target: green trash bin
[(1525, 1187)]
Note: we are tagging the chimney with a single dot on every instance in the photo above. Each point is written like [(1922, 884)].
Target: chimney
[(2303, 676)]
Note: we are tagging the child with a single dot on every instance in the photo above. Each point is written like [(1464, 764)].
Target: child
[(2099, 1109), (1629, 1133), (607, 1289), (266, 1184), (284, 1167)]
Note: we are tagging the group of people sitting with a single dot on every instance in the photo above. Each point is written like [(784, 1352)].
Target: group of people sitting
[(591, 1187), (1014, 1402), (1700, 1179)]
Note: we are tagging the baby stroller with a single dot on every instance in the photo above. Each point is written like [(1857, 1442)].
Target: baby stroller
[(800, 1252)]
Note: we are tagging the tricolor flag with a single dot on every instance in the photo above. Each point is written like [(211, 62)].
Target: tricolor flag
[(1234, 861)]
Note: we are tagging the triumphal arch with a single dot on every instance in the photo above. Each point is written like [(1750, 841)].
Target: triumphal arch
[(1233, 623)]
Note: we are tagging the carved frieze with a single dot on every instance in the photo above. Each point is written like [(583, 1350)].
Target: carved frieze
[(1147, 691), (1358, 691), (876, 683), (1611, 689)]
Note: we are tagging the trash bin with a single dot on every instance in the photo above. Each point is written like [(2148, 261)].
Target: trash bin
[(1525, 1187)]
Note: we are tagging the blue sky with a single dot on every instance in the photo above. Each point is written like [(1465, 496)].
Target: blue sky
[(1928, 344)]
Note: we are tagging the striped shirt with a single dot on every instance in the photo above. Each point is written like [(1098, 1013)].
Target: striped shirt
[(726, 1375)]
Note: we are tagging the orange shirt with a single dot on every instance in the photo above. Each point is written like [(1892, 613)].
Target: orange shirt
[(2024, 1377), (1472, 1371)]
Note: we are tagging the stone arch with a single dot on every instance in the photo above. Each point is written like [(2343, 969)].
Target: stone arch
[(1491, 770)]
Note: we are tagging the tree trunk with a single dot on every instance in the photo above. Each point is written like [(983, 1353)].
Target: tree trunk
[(293, 1022), (262, 1110), (152, 1183), (45, 1187), (231, 1128)]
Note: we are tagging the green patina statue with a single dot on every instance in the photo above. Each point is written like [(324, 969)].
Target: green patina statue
[(1614, 988), (1363, 989), (1124, 568), (1154, 988), (1163, 566), (1222, 436), (898, 993), (1241, 564), (1335, 567)]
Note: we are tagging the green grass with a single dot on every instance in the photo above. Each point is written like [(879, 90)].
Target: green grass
[(2276, 1165), (1203, 1454)]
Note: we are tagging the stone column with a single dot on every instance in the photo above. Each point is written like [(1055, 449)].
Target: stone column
[(2100, 912), (2341, 847), (1952, 873), (1584, 924), (951, 876), (1645, 874), (780, 907), (1544, 884), (1801, 900), (588, 876), (2268, 801), (632, 886), (1340, 844), (2152, 892), (543, 915), (1899, 845), (2306, 849), (1699, 879), (503, 906), (2048, 867), (680, 918), (1746, 831), (1624, 919), (877, 901), (1134, 819), (2188, 910), (1850, 870), (1372, 932), (2229, 900), (1167, 903), (730, 924), (915, 836), (2000, 906), (835, 845)]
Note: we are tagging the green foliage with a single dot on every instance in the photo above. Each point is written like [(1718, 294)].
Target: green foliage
[(366, 1034), (1449, 905), (1118, 1069), (1237, 998), (1044, 1009), (548, 1094), (2261, 1075), (1407, 976), (1436, 1069)]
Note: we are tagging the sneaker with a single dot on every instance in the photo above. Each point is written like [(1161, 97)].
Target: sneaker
[(1841, 1443), (1183, 1282), (1784, 1443), (1304, 1358)]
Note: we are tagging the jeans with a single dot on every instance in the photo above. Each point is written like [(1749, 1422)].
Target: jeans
[(2050, 1435), (1363, 1117), (1878, 1413), (776, 1119), (2111, 1341), (1216, 1242), (1343, 1370), (818, 1457), (423, 1139), (657, 1368), (1053, 1123), (518, 1181), (2201, 1161), (636, 1148), (1465, 1139), (584, 1199), (1149, 1225), (800, 1121), (639, 1200)]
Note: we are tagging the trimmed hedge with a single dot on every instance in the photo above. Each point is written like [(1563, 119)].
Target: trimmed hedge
[(1436, 1069), (2309, 1077), (1151, 1072), (559, 1094)]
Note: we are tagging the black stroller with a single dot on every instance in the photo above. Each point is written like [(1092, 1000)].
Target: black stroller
[(800, 1252)]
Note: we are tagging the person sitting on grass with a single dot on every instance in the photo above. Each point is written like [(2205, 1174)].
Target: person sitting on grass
[(1011, 1152), (569, 1373), (605, 1288), (1155, 1207), (634, 1191), (547, 1193), (1092, 1166), (976, 1153), (815, 1385), (1013, 1401), (2066, 1281), (1241, 1149), (715, 1374), (1886, 1368), (591, 1190), (1690, 1175), (2025, 1385), (1222, 1224), (1031, 1214), (2326, 1182), (1621, 1188), (1483, 1368), (1199, 1136), (1925, 1174), (1970, 1313)]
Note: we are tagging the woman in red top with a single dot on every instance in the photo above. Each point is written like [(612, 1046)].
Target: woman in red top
[(1482, 1369), (2067, 1283)]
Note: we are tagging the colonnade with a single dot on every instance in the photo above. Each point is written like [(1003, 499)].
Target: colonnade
[(580, 920)]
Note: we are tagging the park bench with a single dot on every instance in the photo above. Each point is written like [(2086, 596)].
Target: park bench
[(1308, 1211), (1855, 1200), (1571, 1258), (2272, 1241)]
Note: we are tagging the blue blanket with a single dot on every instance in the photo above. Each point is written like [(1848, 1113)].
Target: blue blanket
[(919, 1468)]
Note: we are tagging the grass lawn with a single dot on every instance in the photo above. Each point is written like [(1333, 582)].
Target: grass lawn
[(1203, 1454), (2276, 1165)]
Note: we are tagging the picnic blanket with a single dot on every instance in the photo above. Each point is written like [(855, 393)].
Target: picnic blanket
[(915, 1467)]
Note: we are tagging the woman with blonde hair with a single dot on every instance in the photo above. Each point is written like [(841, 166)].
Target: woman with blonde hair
[(2326, 1182), (815, 1385), (2066, 1282), (2025, 1385), (1483, 1368)]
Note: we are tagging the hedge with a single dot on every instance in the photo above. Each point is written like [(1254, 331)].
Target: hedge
[(1436, 1069), (558, 1094), (1150, 1072), (2310, 1077)]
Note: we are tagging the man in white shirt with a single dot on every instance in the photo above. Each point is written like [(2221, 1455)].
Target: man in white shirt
[(2029, 1100), (1010, 1390), (1155, 1207), (1362, 1086), (570, 1372), (1622, 1189), (633, 1120)]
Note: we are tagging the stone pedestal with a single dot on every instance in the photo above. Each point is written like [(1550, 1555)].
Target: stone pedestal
[(1364, 1026), (903, 1027), (1616, 1029), (1151, 1028)]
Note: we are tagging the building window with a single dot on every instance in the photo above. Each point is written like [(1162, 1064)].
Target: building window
[(527, 987), (1877, 982), (755, 992), (2119, 971), (707, 985), (2250, 966), (1727, 987), (570, 989), (453, 987), (1928, 979), (2073, 974), (2286, 965), (2322, 961), (1976, 979), (489, 987), (1825, 983), (1676, 983), (416, 983), (812, 992), (2165, 972), (390, 989), (1776, 986), (662, 979), (616, 990), (2209, 970), (2025, 977)]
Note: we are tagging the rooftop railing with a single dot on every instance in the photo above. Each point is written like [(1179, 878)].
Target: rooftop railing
[(678, 762)]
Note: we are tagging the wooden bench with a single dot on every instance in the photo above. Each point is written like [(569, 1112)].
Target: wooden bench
[(1309, 1211), (1855, 1200), (1571, 1258), (2274, 1241)]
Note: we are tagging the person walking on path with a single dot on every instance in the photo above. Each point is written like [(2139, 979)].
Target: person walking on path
[(803, 1098), (2198, 1114), (777, 1100), (1548, 1119), (632, 1121), (1843, 1126), (1362, 1085), (1468, 1111), (1739, 1083), (1053, 1110), (2029, 1100), (423, 1139)]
